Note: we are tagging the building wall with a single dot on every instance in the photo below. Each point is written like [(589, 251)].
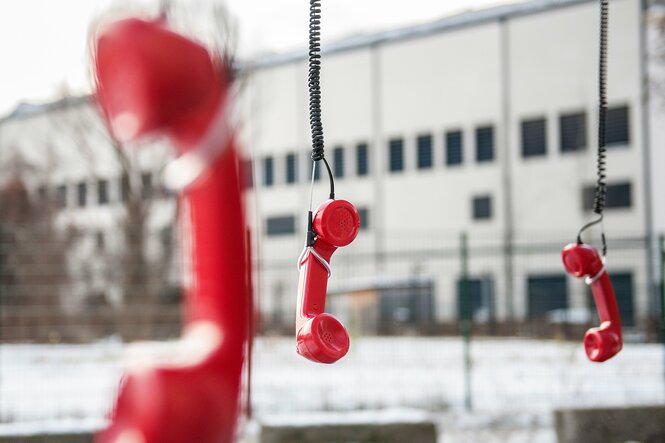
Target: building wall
[(497, 72)]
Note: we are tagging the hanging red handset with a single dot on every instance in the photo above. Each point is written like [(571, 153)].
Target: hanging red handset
[(150, 80), (603, 342), (320, 336)]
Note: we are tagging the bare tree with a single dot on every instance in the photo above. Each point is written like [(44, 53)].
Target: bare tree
[(31, 266), (144, 282)]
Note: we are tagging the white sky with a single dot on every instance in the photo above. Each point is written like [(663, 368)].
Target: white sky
[(43, 43)]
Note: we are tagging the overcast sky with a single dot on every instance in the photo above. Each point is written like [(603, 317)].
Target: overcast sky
[(43, 43)]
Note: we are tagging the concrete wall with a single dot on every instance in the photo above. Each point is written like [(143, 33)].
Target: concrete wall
[(645, 424), (48, 438)]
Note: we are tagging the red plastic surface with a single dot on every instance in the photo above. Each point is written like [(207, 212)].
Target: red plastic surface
[(150, 78), (320, 336), (605, 341), (160, 81)]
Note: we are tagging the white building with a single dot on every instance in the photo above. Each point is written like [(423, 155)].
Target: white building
[(63, 154), (482, 123)]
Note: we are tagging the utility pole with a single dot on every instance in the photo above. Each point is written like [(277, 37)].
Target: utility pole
[(465, 314)]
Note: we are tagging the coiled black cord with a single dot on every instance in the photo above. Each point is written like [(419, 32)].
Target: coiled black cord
[(314, 85), (600, 197), (601, 187)]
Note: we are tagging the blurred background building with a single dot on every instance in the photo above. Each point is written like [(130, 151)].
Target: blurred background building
[(482, 123), (465, 143)]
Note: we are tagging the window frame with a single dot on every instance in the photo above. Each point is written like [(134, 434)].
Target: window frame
[(278, 231), (475, 214), (338, 162), (479, 132), (582, 142), (362, 166), (396, 151), (589, 191), (291, 169), (427, 154), (268, 164), (448, 148), (623, 142), (533, 137), (103, 192)]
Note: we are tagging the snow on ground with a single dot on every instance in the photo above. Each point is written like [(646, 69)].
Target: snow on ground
[(515, 383)]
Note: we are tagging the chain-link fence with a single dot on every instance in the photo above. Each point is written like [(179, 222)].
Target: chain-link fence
[(70, 301), (425, 283)]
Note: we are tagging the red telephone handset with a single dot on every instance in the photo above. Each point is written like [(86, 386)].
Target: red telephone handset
[(320, 336), (603, 342), (152, 80)]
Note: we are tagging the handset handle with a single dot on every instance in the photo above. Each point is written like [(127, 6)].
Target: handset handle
[(313, 281), (605, 341)]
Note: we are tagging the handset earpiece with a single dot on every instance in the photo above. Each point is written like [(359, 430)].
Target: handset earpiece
[(320, 336), (605, 341)]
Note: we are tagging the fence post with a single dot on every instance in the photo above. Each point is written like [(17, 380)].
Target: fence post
[(2, 299), (465, 318), (661, 248)]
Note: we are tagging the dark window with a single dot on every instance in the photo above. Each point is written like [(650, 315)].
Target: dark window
[(100, 240), (247, 174), (411, 303), (618, 196), (534, 137), (572, 129), (617, 130), (317, 171), (623, 289), (424, 143), (396, 157), (281, 225), (546, 293), (454, 148), (485, 144), (42, 193), (362, 164), (81, 193), (338, 156), (102, 192), (166, 237), (268, 173), (482, 207), (146, 185), (291, 168), (478, 304), (124, 187), (364, 218), (61, 196)]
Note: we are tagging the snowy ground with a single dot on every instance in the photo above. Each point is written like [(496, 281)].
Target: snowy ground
[(515, 383)]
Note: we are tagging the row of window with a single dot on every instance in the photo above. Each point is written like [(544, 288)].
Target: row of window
[(618, 195), (547, 297), (572, 130), (86, 193), (425, 159)]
